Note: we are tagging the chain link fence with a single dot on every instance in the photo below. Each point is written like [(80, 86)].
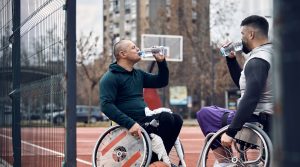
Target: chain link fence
[(32, 80)]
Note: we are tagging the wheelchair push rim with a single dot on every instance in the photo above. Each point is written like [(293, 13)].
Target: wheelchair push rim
[(256, 153), (117, 147)]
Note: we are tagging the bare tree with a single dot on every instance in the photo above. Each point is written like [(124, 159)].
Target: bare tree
[(202, 70), (222, 19), (92, 66)]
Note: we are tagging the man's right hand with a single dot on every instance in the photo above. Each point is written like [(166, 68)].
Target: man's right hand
[(159, 57), (232, 53), (136, 130)]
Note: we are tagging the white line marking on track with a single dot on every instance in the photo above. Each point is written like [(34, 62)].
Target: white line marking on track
[(46, 149)]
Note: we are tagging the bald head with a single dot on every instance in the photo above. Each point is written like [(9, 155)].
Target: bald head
[(120, 46)]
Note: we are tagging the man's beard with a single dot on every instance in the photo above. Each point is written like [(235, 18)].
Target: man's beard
[(245, 49)]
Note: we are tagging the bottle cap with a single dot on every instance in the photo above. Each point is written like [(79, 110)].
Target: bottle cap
[(141, 53)]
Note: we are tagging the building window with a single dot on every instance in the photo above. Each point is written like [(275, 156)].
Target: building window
[(116, 6), (133, 34), (127, 11), (168, 2), (194, 3), (133, 22), (168, 12), (127, 6), (116, 25), (194, 16)]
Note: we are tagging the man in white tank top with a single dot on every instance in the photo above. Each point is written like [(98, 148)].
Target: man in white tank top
[(254, 81)]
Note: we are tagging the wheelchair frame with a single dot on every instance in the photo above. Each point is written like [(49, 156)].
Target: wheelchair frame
[(248, 138), (118, 152)]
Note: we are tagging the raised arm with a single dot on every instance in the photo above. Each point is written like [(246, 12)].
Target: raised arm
[(157, 80), (234, 70)]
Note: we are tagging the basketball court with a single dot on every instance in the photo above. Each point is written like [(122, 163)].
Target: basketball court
[(191, 138)]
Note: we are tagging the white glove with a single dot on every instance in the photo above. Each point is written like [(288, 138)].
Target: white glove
[(149, 112), (159, 148), (162, 109)]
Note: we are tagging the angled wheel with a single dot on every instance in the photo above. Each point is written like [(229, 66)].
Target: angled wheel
[(116, 147), (251, 147)]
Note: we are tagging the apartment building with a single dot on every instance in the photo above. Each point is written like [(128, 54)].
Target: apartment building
[(128, 19), (120, 19)]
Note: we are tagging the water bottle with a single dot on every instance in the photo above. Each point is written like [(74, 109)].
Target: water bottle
[(235, 46), (148, 52)]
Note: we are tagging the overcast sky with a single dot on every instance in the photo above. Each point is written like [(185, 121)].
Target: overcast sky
[(242, 10), (89, 17)]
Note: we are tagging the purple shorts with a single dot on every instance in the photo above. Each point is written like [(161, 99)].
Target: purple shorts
[(210, 118)]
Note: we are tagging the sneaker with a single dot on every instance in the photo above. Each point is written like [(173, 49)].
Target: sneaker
[(224, 164), (172, 165)]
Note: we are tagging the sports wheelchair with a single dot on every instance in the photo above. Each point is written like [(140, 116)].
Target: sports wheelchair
[(251, 148), (117, 147)]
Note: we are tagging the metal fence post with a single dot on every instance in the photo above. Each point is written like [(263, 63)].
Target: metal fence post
[(287, 80), (70, 74), (16, 70)]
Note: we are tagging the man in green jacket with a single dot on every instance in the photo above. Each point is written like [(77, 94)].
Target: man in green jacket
[(121, 94)]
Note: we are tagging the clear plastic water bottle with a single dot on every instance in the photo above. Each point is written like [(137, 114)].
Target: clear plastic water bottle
[(148, 52), (235, 46)]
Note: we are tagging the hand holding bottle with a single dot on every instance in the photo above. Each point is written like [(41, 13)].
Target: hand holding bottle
[(159, 57), (158, 52), (231, 48)]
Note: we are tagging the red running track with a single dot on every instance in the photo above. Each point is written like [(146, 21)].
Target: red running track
[(191, 138), (52, 152)]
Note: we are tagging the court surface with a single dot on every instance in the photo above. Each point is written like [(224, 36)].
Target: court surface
[(44, 152), (191, 137)]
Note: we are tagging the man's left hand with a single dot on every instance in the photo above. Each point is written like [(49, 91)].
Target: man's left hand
[(158, 57), (226, 140)]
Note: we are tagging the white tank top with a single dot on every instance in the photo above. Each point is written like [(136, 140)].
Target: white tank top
[(265, 103)]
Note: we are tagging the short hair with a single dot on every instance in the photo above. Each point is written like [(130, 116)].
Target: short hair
[(258, 22), (118, 46)]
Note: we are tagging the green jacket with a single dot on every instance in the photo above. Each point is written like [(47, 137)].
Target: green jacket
[(121, 92)]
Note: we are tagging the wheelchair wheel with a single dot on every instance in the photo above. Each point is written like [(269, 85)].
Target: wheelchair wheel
[(251, 147), (174, 155), (116, 147)]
